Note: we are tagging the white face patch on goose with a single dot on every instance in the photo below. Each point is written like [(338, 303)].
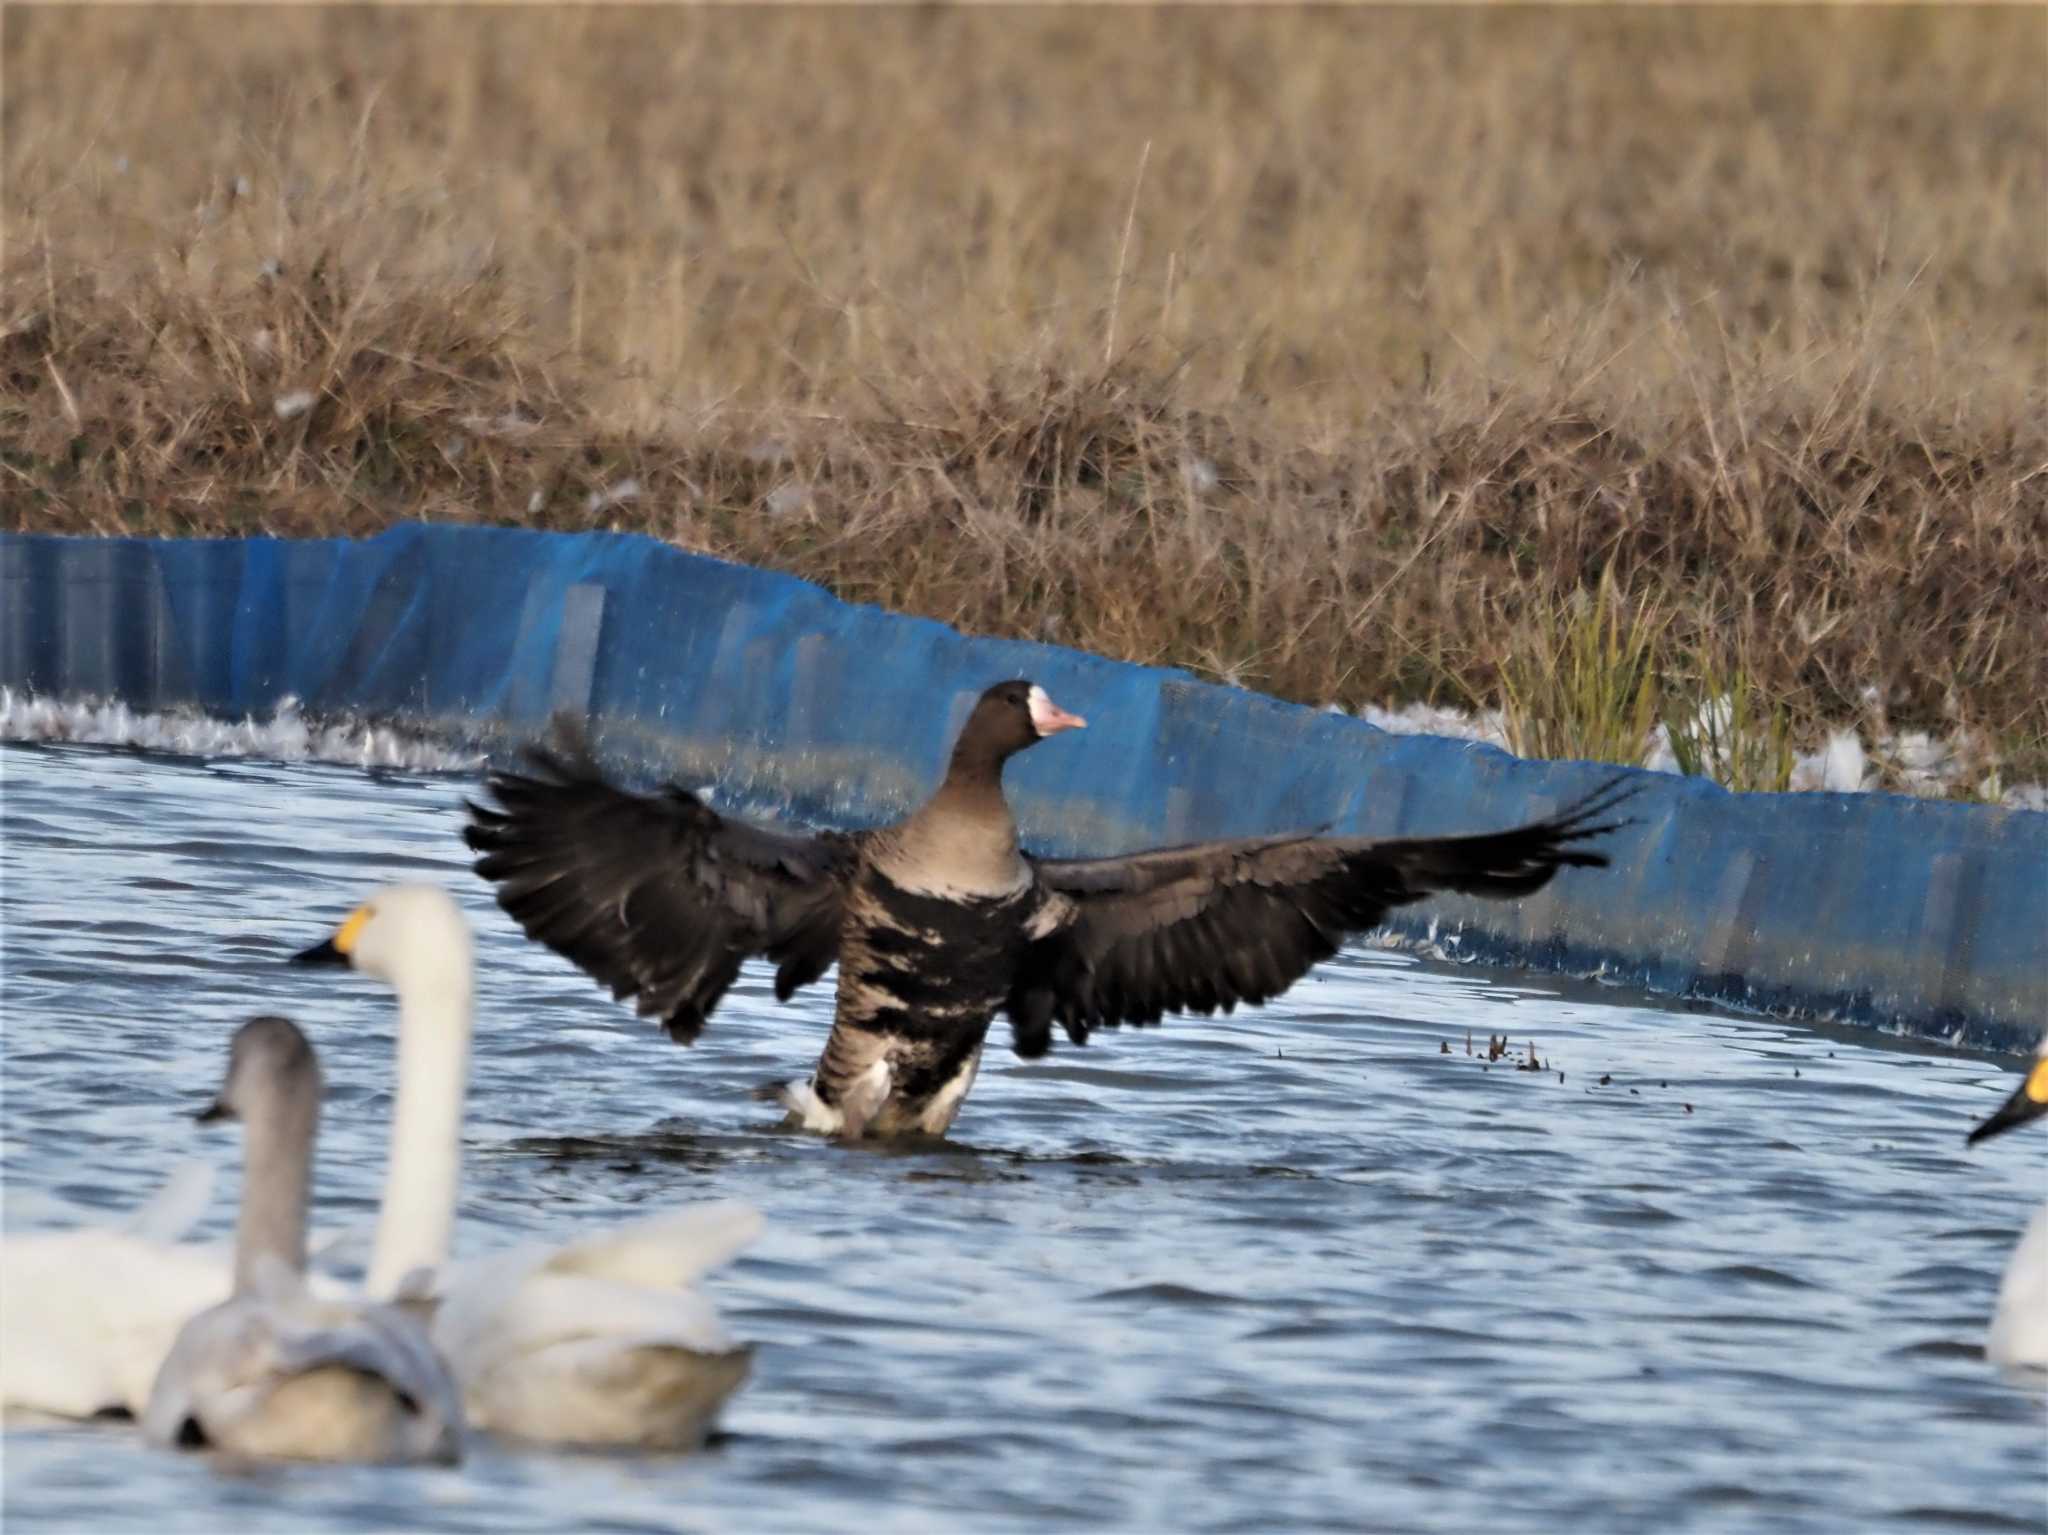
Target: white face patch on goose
[(1047, 717)]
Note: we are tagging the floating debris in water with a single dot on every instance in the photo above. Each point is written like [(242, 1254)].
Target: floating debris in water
[(1498, 1048)]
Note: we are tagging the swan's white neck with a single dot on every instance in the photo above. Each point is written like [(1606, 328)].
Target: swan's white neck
[(418, 1219)]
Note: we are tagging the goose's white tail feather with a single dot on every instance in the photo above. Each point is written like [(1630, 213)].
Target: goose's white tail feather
[(811, 1111), (858, 1104)]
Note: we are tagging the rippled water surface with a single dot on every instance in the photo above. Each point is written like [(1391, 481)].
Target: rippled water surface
[(1296, 1270)]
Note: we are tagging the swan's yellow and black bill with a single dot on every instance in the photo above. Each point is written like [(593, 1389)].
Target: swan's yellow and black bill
[(2028, 1101), (336, 950)]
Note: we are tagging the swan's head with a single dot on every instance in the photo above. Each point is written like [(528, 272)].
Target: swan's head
[(270, 1063), (2028, 1101), (411, 936)]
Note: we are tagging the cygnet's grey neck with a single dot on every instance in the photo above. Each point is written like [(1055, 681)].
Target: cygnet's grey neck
[(277, 1176)]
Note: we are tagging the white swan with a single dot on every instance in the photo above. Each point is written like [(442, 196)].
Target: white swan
[(2019, 1326), (274, 1372), (599, 1342), (88, 1314)]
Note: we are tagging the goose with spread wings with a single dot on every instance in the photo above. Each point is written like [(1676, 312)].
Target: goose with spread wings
[(941, 921)]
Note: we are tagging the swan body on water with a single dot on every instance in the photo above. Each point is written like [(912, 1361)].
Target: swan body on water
[(274, 1372), (598, 1342), (88, 1314), (2018, 1335)]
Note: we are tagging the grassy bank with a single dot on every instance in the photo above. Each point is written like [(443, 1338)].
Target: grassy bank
[(1591, 365)]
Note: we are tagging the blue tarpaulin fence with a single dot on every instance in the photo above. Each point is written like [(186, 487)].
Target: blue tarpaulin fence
[(1878, 909)]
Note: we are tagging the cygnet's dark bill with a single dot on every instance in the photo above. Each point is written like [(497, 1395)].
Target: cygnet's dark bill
[(2028, 1101)]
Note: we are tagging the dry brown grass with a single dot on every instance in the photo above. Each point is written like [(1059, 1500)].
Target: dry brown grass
[(1329, 351)]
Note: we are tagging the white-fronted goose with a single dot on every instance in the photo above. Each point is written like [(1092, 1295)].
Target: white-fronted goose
[(940, 921)]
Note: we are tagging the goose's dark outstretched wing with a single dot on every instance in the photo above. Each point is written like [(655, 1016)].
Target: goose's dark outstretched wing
[(657, 896), (1192, 929)]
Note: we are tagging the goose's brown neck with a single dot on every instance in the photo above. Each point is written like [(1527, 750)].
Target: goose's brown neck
[(976, 769)]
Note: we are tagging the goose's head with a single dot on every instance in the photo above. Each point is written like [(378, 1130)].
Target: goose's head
[(1005, 720), (2028, 1101), (414, 937), (269, 1063)]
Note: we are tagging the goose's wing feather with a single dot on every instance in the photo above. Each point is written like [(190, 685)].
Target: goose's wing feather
[(657, 896), (1207, 926)]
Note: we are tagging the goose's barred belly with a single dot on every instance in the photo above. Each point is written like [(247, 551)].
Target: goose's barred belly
[(926, 974)]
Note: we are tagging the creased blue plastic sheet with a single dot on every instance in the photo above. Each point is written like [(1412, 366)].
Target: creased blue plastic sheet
[(1877, 909)]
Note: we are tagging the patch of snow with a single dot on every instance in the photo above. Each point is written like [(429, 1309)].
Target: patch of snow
[(1918, 762), (1489, 726), (1658, 756), (788, 498), (2019, 796), (1926, 765), (511, 424), (1840, 766), (623, 492), (287, 736), (294, 404)]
